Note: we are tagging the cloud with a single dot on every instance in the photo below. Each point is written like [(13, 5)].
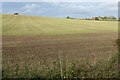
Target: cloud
[(109, 6), (59, 0), (33, 9), (55, 3), (80, 8), (74, 8), (29, 8), (77, 10), (86, 9), (92, 9)]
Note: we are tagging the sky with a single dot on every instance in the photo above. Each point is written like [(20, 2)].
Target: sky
[(62, 9)]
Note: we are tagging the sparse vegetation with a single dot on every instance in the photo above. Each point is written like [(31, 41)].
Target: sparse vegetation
[(101, 69)]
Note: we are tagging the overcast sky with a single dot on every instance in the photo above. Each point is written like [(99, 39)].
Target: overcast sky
[(62, 9)]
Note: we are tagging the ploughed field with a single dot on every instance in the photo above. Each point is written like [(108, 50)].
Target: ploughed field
[(50, 46)]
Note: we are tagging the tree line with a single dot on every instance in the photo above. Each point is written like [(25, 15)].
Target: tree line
[(105, 18)]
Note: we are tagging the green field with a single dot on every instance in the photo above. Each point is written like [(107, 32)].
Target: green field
[(43, 47), (31, 25)]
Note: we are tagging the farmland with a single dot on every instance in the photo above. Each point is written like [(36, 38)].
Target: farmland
[(36, 46)]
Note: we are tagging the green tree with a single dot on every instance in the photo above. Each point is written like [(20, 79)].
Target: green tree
[(96, 18), (68, 17)]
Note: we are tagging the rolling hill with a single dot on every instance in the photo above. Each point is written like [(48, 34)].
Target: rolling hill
[(36, 25)]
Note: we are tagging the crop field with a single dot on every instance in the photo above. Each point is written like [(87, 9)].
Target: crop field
[(43, 47)]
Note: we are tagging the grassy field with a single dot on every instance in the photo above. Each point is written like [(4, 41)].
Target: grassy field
[(29, 25), (54, 47)]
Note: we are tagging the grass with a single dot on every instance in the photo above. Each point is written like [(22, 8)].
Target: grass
[(42, 47), (30, 25)]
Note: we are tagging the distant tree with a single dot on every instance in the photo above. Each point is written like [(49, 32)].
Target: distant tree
[(16, 13), (112, 17), (68, 17), (96, 18), (105, 17), (119, 18)]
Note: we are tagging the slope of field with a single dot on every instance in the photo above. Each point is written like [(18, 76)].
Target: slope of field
[(24, 25), (48, 47)]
